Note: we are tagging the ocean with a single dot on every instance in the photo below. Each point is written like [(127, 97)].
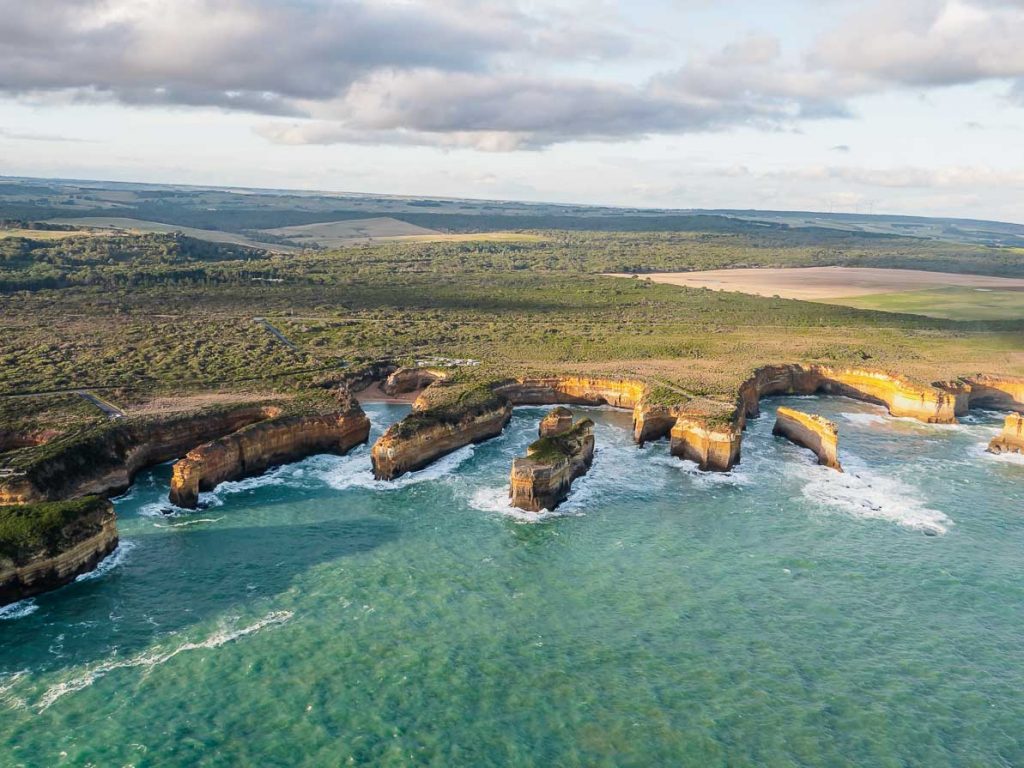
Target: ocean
[(778, 615)]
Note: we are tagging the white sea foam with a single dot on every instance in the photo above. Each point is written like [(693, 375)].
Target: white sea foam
[(109, 563), (355, 471), (150, 659), (497, 500), (980, 450), (18, 610), (864, 419), (738, 476), (864, 493), (187, 523)]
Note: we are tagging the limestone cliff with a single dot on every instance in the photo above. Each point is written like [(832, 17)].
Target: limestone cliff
[(1002, 393), (819, 435), (410, 379), (557, 421), (57, 542), (714, 445), (899, 395), (103, 460), (472, 415), (253, 449), (543, 479), (1011, 439)]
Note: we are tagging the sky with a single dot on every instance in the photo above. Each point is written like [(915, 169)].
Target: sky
[(904, 107)]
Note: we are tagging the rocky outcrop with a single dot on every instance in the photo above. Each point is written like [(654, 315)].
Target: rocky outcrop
[(59, 541), (104, 460), (713, 444), (819, 435), (899, 395), (557, 421), (1000, 393), (427, 434), (406, 380), (1011, 439), (253, 449), (543, 479)]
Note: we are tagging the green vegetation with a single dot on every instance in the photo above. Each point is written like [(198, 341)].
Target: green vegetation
[(26, 531), (560, 447), (951, 303)]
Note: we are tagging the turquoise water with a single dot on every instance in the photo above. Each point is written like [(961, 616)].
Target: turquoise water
[(780, 615)]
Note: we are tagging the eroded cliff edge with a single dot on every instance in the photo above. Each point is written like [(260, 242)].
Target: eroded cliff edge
[(818, 435), (43, 487), (1011, 439), (257, 447), (543, 478), (708, 431), (47, 545)]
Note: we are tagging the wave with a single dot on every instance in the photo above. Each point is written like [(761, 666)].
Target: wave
[(186, 523), (866, 494), (864, 419), (18, 610), (980, 450), (355, 471), (109, 563), (496, 500), (738, 476), (153, 658)]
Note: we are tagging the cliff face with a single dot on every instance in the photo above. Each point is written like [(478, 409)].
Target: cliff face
[(543, 479), (254, 449), (818, 435), (901, 396), (104, 461), (1011, 439), (416, 442), (714, 446), (409, 380), (76, 547), (557, 421), (574, 390), (1001, 393)]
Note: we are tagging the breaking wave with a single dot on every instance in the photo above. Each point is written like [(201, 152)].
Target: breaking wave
[(109, 563), (866, 494), (18, 610), (355, 471), (154, 658)]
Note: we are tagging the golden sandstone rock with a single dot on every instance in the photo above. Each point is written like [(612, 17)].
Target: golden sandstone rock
[(1011, 439), (543, 479), (254, 449), (819, 435)]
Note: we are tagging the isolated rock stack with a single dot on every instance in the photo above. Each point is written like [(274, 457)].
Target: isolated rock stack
[(1011, 439), (819, 435), (565, 451)]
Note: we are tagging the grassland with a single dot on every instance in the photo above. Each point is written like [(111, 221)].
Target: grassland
[(951, 303), (154, 318)]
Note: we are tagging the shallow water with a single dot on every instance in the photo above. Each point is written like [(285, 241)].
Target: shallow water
[(780, 615)]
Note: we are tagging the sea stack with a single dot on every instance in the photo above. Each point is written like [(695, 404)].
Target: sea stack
[(556, 422), (1011, 439), (819, 435), (543, 478)]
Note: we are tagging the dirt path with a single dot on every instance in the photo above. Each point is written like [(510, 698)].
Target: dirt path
[(280, 336), (107, 407)]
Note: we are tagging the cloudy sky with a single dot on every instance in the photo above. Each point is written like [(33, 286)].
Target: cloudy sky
[(902, 106)]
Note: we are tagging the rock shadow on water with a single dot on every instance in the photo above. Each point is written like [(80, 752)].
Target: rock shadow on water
[(175, 581)]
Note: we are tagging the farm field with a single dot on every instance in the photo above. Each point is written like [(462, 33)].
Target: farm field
[(951, 303), (333, 234), (141, 226), (935, 294)]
